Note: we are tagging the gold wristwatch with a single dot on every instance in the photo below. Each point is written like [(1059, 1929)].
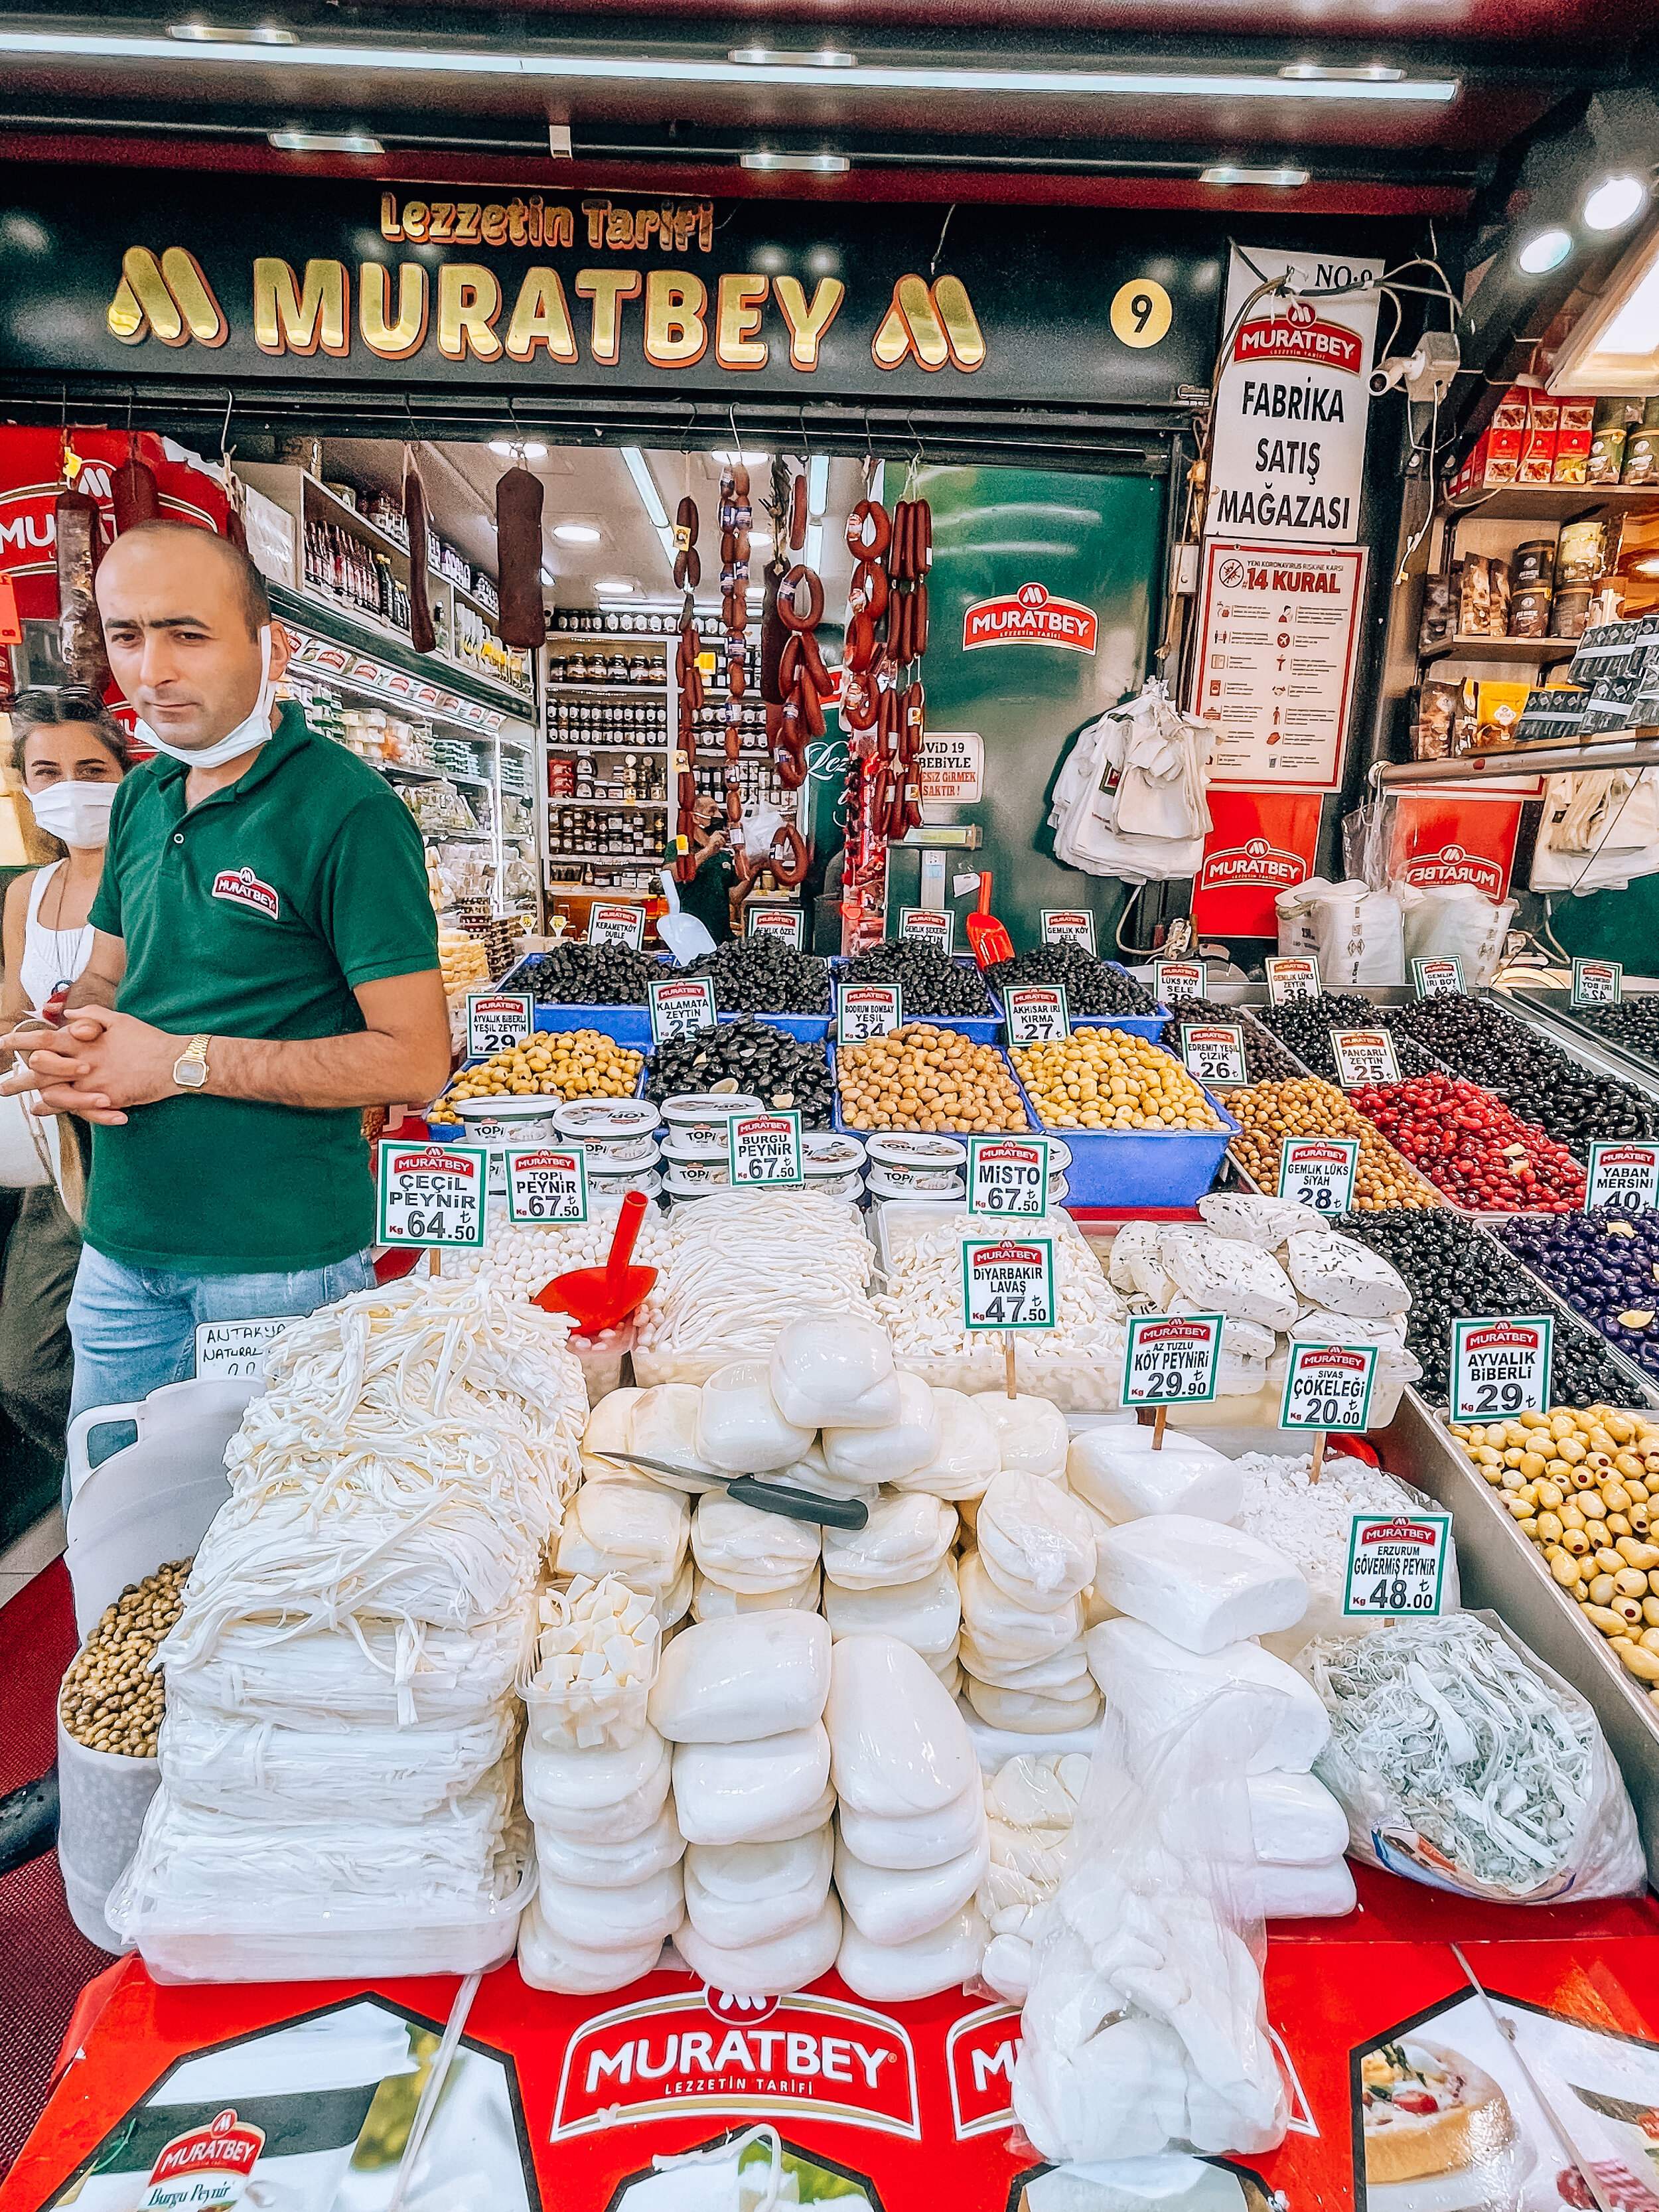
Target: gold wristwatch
[(191, 1068)]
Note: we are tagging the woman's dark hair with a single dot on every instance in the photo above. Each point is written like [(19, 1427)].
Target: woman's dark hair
[(45, 708)]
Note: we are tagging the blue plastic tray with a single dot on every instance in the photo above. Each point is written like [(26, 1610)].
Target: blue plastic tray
[(1149, 1026), (1139, 1167), (978, 1029), (632, 1025)]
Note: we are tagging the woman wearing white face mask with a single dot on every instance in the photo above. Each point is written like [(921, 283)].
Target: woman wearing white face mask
[(70, 756)]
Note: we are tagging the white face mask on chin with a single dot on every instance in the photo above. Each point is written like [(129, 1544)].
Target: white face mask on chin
[(254, 731)]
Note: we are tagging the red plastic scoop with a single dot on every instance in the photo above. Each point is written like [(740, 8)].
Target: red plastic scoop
[(990, 941), (601, 1298)]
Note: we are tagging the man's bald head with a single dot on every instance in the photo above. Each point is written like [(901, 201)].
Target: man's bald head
[(195, 546)]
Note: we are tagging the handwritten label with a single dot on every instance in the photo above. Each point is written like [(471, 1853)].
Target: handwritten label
[(1214, 1051), (1622, 1175), (1066, 925), (1035, 1013), (1319, 1171), (679, 1007), (1178, 978), (1292, 977), (1500, 1367), (1430, 977), (1597, 983), (1170, 1359), (764, 1148), (1327, 1386), (433, 1195), (783, 922), (1396, 1564), (619, 924), (1363, 1056), (868, 1010), (497, 1020), (1007, 1282), (234, 1350), (546, 1183), (926, 927), (1007, 1174)]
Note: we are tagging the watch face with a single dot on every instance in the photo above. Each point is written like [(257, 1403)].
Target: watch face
[(191, 1074)]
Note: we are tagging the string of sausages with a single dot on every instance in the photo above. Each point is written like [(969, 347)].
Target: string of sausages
[(688, 677), (793, 679), (882, 692)]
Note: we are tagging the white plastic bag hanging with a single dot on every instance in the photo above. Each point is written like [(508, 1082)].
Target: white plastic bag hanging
[(1130, 800)]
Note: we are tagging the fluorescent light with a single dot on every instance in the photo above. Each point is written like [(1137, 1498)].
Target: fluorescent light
[(814, 545), (1226, 173), (644, 69), (546, 578), (1613, 349), (748, 460), (231, 35), (618, 587), (759, 538), (575, 534), (1615, 202), (507, 447), (1635, 328), (817, 488), (1544, 251), (634, 461), (818, 165), (324, 141), (1365, 72), (750, 57)]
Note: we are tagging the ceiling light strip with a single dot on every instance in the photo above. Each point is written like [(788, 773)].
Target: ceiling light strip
[(98, 45)]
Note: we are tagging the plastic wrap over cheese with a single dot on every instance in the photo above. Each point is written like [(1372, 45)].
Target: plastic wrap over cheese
[(907, 1536), (1116, 1470), (739, 1427), (905, 1841), (837, 1372), (1031, 1433), (895, 1973), (1157, 1686), (742, 1894), (890, 1906), (754, 1553), (1036, 1542), (743, 1793), (967, 1453), (769, 1968), (1201, 1584), (1295, 1821), (925, 1615)]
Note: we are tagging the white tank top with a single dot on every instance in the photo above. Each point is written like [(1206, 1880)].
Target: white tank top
[(52, 958)]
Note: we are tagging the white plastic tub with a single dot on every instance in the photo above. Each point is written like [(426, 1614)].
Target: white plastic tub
[(102, 1800)]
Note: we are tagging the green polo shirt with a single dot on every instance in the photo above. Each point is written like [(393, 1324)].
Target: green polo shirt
[(257, 914)]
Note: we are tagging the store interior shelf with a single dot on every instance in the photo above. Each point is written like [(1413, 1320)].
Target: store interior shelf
[(1614, 749), (557, 687), (609, 744), (592, 798), (1554, 503), (368, 634), (1538, 649)]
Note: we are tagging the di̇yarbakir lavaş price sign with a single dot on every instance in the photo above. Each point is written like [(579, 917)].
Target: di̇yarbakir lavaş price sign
[(1170, 1359), (432, 1193), (1007, 1282)]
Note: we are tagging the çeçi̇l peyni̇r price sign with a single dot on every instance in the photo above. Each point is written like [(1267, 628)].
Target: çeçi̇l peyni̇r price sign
[(1170, 1359), (432, 1193)]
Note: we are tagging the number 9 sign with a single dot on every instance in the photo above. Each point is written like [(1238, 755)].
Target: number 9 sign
[(1141, 313)]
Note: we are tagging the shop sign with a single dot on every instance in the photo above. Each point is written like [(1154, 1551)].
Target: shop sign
[(1008, 1175), (619, 924), (1327, 1386), (764, 1148), (433, 1195), (1214, 1052), (1007, 1283), (927, 928), (1178, 978), (1396, 1564), (1623, 1176), (1288, 456), (868, 1009), (1278, 627), (1319, 1171), (951, 769), (1068, 926), (1363, 1056), (1030, 615), (496, 1020), (1035, 1013), (1597, 983), (234, 1350), (1170, 1359), (681, 1005), (546, 1184), (1500, 1367), (783, 923), (1430, 977), (1293, 976)]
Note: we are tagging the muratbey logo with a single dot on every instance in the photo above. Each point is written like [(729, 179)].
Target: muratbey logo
[(243, 888), (1256, 862), (1452, 865), (980, 2052), (209, 2168), (1030, 615), (1300, 336)]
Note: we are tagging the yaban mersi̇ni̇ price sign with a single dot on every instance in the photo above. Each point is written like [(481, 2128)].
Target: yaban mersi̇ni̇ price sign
[(1035, 1013), (1363, 1056), (764, 1148), (1500, 1367), (1068, 926), (1007, 1282), (1622, 1175), (1008, 1175), (546, 1183), (782, 922), (1214, 1051), (679, 1008), (926, 927), (1597, 983), (433, 1195), (616, 924), (1319, 1171), (1170, 1359), (1327, 1386), (1396, 1564), (496, 1020), (1295, 975), (868, 1009)]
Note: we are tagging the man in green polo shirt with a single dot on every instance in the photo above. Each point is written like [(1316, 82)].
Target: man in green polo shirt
[(265, 966)]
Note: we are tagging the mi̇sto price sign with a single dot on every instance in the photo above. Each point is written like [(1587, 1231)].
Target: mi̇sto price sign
[(1214, 1051), (1035, 1014), (433, 1195), (868, 1009), (1431, 976), (621, 924), (1363, 1056), (1007, 1282), (1597, 983), (1068, 926), (927, 928), (764, 1148), (1327, 1386), (1396, 1564), (1294, 976), (1319, 1171), (679, 1007), (497, 1020), (546, 1183), (1008, 1175), (1622, 1175), (781, 922), (1170, 1359), (1500, 1367)]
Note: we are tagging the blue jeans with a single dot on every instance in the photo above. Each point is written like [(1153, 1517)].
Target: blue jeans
[(134, 1328)]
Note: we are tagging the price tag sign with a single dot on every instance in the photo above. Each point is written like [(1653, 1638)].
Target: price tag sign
[(1292, 977), (496, 1019), (1597, 983), (1319, 1171), (433, 1195), (546, 1183), (1067, 925), (1396, 1564), (680, 1006), (1327, 1386), (1178, 978), (868, 1010), (1007, 1282), (927, 928), (1364, 1056), (764, 1148), (1035, 1013), (783, 922), (1214, 1051), (618, 924), (234, 1350), (1007, 1174), (1430, 976), (1500, 1367), (1624, 1176), (1171, 1359)]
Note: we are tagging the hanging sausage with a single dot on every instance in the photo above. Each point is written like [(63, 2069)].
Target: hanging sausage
[(522, 620), (688, 569), (80, 544), (135, 493), (422, 634)]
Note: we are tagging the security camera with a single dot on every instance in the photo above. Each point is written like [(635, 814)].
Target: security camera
[(1388, 375)]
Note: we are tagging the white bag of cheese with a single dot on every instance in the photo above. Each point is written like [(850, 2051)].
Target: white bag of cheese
[(1157, 1686), (1204, 1585)]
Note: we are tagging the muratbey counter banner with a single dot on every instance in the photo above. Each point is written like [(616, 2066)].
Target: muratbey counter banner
[(233, 279)]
